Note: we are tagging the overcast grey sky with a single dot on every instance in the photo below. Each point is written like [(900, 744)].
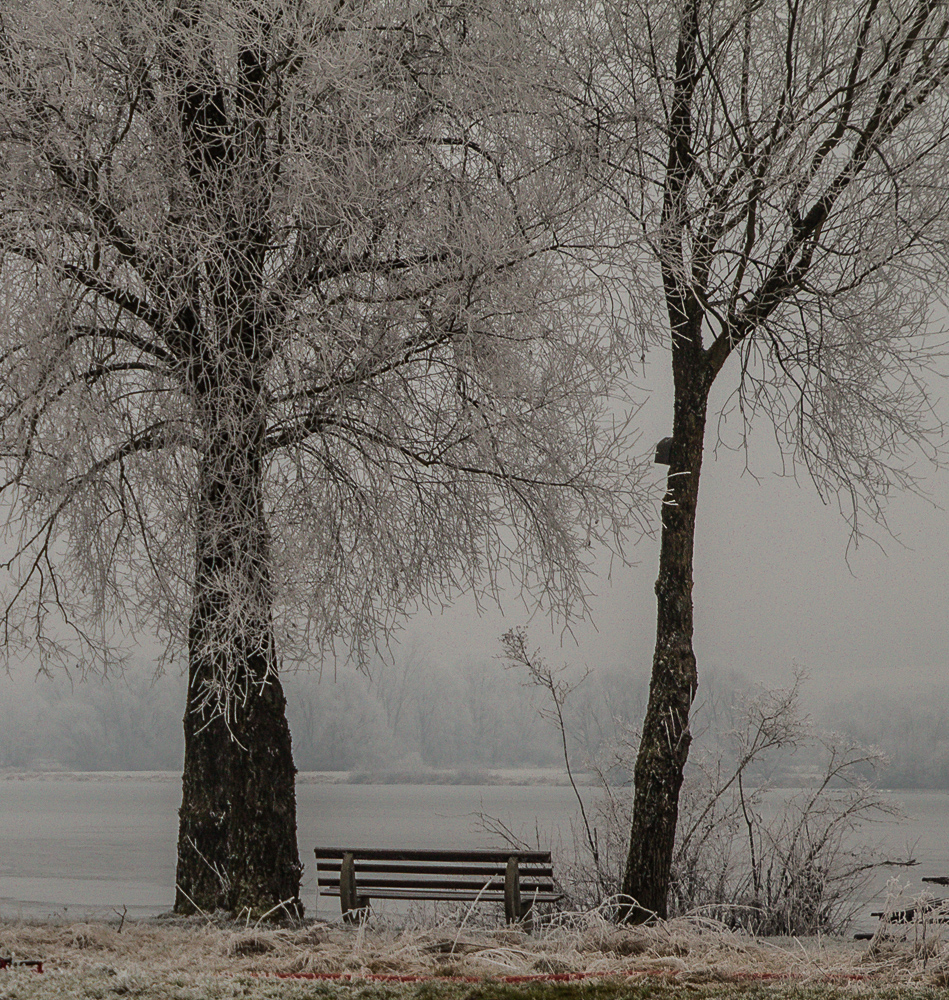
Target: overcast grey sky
[(778, 583)]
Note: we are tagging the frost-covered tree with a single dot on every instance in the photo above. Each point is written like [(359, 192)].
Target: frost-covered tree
[(778, 174), (284, 353)]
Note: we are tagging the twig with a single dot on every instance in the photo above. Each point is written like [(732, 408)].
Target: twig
[(193, 903), (516, 650), (264, 916)]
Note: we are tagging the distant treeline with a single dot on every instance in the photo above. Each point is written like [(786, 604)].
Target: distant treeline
[(403, 715), (413, 713), (910, 727)]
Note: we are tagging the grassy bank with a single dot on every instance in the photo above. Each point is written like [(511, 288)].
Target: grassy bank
[(99, 987), (449, 960)]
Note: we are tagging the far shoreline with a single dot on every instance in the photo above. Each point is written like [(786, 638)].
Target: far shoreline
[(411, 775), (395, 776)]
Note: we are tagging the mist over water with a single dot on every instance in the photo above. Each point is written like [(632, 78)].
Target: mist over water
[(421, 711)]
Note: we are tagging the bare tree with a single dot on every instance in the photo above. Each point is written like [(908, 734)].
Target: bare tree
[(282, 344), (777, 174)]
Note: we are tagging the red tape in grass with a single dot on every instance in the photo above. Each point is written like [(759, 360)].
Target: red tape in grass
[(551, 977), (13, 963)]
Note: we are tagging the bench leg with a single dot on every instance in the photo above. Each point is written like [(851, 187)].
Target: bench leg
[(516, 909), (354, 906), (512, 892)]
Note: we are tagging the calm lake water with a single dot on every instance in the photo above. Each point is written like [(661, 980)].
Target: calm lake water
[(80, 845)]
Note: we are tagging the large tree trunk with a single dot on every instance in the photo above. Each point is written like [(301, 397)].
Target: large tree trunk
[(664, 747), (237, 844), (237, 840)]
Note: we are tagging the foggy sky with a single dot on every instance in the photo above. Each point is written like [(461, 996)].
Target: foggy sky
[(779, 583)]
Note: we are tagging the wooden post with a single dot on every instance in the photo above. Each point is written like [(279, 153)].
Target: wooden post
[(347, 887), (512, 891)]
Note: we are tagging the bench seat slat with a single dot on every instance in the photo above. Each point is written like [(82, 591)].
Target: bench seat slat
[(444, 894), (396, 854), (371, 867), (495, 885)]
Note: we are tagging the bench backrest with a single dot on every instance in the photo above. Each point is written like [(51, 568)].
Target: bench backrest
[(383, 870)]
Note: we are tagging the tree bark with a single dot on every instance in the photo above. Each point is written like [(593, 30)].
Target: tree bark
[(664, 747), (237, 846), (237, 839)]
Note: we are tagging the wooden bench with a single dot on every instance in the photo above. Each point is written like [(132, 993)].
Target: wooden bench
[(358, 875), (929, 908), (935, 910)]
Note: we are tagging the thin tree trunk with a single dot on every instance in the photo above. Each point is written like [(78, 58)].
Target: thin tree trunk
[(664, 747), (237, 845)]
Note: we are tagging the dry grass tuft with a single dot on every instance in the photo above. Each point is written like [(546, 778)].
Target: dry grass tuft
[(193, 953)]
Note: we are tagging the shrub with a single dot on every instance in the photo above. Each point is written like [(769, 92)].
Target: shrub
[(772, 819)]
